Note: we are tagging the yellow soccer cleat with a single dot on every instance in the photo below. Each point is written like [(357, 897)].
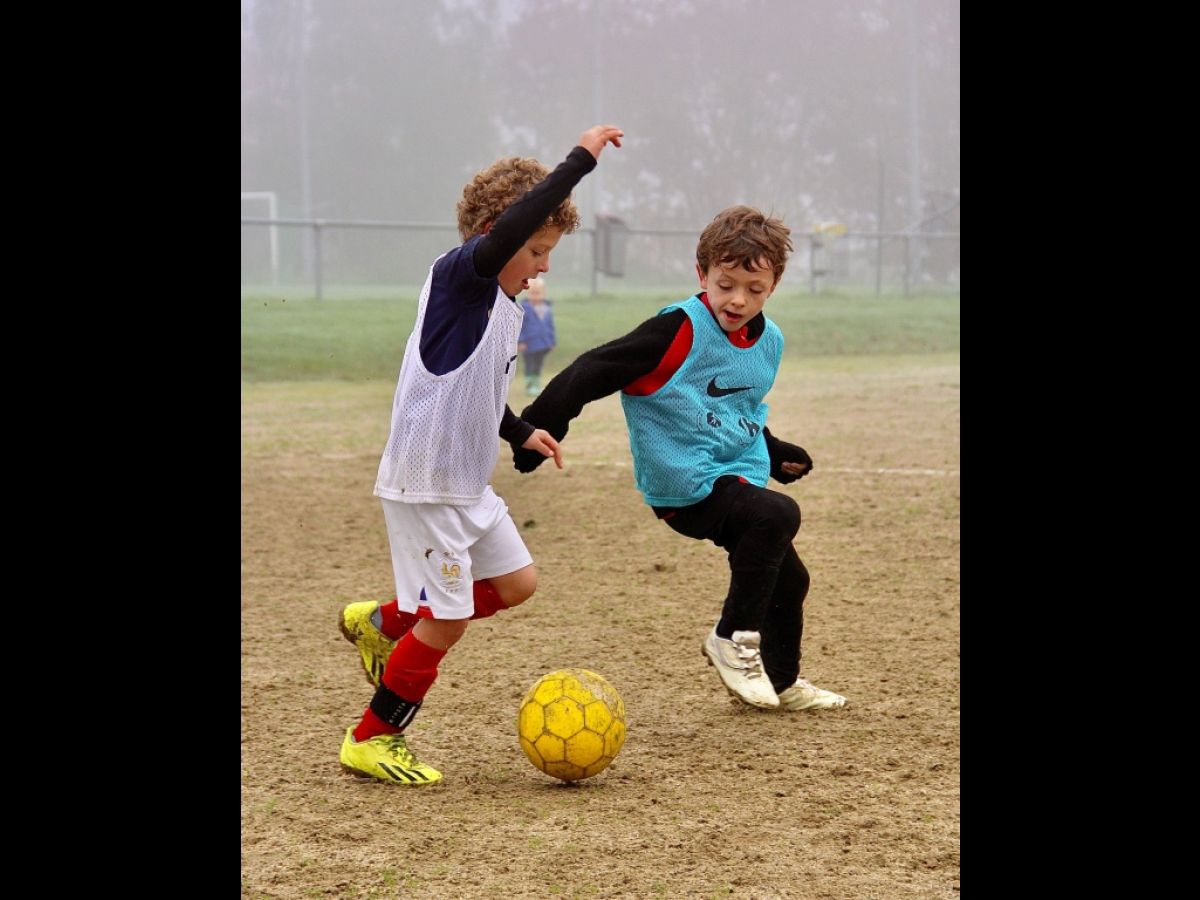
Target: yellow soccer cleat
[(373, 645), (387, 758)]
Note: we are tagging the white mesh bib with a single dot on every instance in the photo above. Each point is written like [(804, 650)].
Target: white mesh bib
[(444, 439)]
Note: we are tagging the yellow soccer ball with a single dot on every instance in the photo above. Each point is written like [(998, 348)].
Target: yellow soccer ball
[(571, 724)]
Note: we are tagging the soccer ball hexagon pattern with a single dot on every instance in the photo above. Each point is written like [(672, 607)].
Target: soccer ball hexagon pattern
[(571, 724)]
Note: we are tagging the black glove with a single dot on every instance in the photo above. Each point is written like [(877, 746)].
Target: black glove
[(781, 452), (527, 460), (524, 460)]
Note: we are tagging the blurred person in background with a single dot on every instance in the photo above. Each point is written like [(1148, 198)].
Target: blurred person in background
[(537, 334)]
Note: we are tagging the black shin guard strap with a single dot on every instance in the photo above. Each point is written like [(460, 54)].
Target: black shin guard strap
[(393, 708)]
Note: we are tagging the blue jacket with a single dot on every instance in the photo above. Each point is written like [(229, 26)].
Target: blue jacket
[(537, 334)]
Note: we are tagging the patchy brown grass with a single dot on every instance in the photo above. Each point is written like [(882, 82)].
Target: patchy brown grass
[(707, 798)]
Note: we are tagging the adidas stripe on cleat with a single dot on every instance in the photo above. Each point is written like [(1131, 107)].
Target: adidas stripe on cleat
[(387, 758)]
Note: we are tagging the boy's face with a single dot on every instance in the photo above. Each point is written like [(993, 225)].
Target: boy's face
[(735, 295), (530, 261), (536, 293)]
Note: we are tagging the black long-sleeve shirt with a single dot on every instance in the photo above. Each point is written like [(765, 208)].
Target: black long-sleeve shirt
[(637, 363)]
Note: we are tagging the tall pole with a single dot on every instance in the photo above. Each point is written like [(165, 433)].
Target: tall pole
[(915, 202), (879, 228), (307, 245), (597, 173), (594, 180)]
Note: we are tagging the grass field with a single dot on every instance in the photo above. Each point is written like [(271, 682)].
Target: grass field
[(363, 339), (707, 798)]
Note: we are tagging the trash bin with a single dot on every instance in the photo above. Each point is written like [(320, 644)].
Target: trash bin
[(611, 234)]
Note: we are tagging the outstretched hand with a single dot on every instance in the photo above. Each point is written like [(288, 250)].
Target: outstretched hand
[(594, 139), (543, 443)]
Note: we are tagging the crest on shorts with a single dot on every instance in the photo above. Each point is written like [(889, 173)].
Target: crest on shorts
[(450, 572)]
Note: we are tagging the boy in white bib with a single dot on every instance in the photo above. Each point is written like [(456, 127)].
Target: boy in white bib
[(456, 554)]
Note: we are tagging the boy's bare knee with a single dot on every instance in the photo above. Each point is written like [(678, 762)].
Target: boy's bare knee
[(442, 634), (516, 587)]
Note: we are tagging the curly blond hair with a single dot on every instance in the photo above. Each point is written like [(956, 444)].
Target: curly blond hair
[(742, 234), (496, 188)]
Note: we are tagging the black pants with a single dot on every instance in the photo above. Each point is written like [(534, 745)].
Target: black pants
[(533, 362), (768, 582)]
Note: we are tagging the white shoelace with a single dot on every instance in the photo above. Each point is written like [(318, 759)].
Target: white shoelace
[(751, 658)]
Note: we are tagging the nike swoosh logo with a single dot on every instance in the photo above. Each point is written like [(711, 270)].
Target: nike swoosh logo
[(714, 391)]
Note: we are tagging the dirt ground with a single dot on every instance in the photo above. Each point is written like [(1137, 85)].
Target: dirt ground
[(707, 798)]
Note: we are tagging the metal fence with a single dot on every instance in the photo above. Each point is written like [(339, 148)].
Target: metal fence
[(331, 257)]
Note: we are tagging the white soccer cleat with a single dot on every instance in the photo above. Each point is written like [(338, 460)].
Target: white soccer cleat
[(804, 695), (739, 663)]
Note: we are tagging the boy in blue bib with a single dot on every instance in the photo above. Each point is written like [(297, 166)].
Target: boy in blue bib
[(693, 381)]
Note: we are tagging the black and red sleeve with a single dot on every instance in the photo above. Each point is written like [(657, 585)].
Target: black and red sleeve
[(635, 360), (513, 429), (529, 213)]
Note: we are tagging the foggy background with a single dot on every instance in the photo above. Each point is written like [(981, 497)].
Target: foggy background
[(825, 113)]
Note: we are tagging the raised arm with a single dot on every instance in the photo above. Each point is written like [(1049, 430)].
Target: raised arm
[(530, 212), (594, 139)]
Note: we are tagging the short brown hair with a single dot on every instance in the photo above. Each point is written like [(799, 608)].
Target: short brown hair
[(496, 188), (742, 234)]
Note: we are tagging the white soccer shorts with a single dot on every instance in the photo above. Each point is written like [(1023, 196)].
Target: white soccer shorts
[(445, 549)]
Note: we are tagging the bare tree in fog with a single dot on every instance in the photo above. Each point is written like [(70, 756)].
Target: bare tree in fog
[(803, 108)]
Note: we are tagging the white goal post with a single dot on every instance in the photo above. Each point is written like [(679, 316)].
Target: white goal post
[(273, 236)]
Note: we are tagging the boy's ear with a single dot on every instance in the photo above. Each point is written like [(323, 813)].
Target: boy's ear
[(703, 276), (486, 228)]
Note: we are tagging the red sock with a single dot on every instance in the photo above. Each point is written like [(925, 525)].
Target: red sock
[(396, 621), (487, 600), (410, 671), (370, 725), (412, 668)]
